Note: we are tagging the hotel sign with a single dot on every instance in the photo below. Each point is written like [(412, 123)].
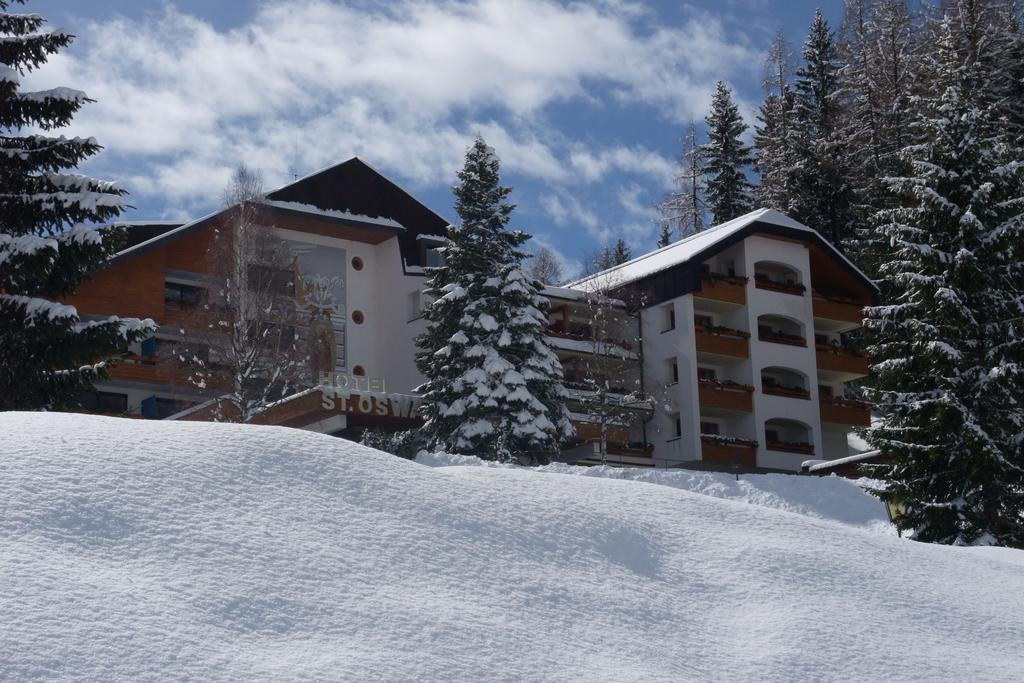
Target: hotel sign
[(357, 395)]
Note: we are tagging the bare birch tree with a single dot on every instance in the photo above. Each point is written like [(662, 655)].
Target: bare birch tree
[(246, 345), (683, 210)]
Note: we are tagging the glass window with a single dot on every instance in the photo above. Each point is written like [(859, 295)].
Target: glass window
[(707, 374), (179, 296), (669, 323), (709, 428)]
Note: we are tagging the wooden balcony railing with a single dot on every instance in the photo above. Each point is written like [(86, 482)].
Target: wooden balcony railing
[(582, 332), (727, 288), (845, 411), (762, 282), (791, 447), (722, 340), (726, 395), (831, 307), (780, 390), (778, 337), (840, 359), (728, 451)]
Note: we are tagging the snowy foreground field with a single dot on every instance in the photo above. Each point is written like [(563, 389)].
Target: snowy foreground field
[(133, 549)]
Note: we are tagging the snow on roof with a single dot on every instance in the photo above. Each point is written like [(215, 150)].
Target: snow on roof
[(334, 213), (819, 465), (163, 236), (685, 249)]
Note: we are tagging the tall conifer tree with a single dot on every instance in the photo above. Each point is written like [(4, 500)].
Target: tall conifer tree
[(726, 158), (948, 348), (48, 354), (823, 201), (493, 385)]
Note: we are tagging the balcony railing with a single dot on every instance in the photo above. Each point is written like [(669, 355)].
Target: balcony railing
[(726, 395), (845, 411), (791, 447), (782, 390), (730, 451), (728, 288), (834, 307), (722, 340), (841, 359), (582, 332), (780, 337), (764, 282)]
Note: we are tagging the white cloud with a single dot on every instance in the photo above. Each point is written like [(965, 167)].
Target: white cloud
[(405, 84)]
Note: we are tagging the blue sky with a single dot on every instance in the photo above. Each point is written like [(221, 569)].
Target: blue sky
[(585, 103)]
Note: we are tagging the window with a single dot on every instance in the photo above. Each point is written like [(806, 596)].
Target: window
[(771, 436), (709, 428), (707, 374), (275, 280), (415, 306), (669, 318), (433, 258), (730, 268), (705, 269), (673, 371), (358, 318), (181, 297), (165, 407), (825, 391), (821, 339), (702, 320), (357, 263), (359, 371), (677, 425), (104, 402)]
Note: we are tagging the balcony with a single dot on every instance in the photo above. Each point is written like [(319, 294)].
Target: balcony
[(729, 289), (835, 358), (837, 308), (728, 451), (767, 334), (773, 285), (148, 369), (722, 341), (726, 395), (580, 337), (782, 390), (845, 411), (802, 447)]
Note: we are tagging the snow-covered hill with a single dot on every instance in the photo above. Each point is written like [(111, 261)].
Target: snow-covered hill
[(132, 549)]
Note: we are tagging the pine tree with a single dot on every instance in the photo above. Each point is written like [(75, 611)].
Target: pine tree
[(683, 209), (948, 348), (664, 234), (725, 158), (48, 354), (823, 200), (493, 385), (621, 252)]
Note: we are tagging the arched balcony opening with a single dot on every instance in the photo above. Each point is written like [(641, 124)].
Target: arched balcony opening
[(790, 436), (779, 329), (785, 382), (778, 277)]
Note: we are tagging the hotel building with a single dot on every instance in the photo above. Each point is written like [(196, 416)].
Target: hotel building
[(735, 335)]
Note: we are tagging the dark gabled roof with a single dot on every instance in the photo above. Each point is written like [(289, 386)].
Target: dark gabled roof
[(354, 186), (368, 199), (137, 232)]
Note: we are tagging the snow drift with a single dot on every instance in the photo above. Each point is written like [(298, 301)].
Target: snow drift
[(132, 549)]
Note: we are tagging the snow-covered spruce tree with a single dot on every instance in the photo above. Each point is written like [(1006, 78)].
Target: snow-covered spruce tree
[(48, 354), (683, 209), (726, 157), (823, 200), (948, 348), (493, 385)]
